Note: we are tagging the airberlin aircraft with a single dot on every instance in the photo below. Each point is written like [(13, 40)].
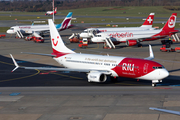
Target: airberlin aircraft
[(147, 25), (132, 38), (98, 67), (51, 12)]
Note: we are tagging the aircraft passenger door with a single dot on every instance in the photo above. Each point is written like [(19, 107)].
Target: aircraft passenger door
[(145, 68)]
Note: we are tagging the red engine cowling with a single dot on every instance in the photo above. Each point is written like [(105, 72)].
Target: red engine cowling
[(131, 42)]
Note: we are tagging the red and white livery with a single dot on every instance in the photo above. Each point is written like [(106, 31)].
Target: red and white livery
[(98, 67), (147, 25), (51, 12), (134, 37)]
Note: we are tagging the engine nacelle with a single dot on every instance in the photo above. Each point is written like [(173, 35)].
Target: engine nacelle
[(131, 42), (96, 77)]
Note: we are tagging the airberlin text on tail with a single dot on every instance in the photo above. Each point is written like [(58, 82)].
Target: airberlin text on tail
[(56, 40)]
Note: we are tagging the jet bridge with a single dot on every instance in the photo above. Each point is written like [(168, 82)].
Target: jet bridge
[(89, 33)]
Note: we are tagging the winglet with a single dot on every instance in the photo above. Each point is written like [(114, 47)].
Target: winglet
[(15, 63), (151, 54)]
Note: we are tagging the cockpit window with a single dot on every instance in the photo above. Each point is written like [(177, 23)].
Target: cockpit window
[(84, 31), (11, 28), (160, 67), (98, 36)]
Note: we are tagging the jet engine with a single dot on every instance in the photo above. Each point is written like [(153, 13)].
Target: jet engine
[(131, 42), (96, 77)]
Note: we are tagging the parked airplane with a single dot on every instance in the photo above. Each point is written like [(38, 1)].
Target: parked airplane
[(39, 29), (90, 32), (132, 38), (98, 67), (51, 12)]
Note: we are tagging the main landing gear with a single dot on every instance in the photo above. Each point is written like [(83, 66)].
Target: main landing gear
[(139, 45), (114, 79)]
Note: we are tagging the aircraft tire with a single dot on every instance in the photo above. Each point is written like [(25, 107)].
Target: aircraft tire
[(153, 84)]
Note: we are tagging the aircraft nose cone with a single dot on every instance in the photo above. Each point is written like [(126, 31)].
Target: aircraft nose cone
[(8, 31), (164, 73)]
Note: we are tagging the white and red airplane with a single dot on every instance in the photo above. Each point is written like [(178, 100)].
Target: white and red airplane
[(40, 29), (132, 38), (147, 25), (51, 12), (98, 67)]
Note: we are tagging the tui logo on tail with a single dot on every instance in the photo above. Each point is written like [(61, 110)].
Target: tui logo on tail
[(55, 44)]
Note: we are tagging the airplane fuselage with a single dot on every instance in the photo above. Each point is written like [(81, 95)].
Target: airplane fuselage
[(123, 36), (86, 33), (29, 29), (119, 66)]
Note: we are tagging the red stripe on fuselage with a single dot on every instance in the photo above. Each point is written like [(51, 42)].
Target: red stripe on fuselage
[(134, 67)]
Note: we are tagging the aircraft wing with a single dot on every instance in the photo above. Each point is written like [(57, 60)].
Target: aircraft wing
[(59, 69), (67, 69), (51, 55), (167, 111)]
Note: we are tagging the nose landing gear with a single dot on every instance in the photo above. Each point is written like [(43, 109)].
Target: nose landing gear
[(154, 82)]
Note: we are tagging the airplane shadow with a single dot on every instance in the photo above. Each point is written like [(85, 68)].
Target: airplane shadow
[(22, 77)]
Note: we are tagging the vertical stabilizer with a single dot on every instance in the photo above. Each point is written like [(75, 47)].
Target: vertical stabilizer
[(56, 41), (149, 21), (55, 9), (66, 22), (170, 24)]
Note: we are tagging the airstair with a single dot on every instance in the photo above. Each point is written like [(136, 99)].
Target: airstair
[(176, 38), (19, 34), (109, 43)]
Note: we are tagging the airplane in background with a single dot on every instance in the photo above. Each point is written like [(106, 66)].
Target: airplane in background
[(51, 12), (39, 29), (90, 32), (132, 38), (98, 67)]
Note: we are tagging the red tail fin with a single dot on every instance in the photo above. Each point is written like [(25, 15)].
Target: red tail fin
[(170, 24), (55, 9), (149, 20)]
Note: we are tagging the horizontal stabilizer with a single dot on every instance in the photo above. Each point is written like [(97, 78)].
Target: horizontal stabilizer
[(15, 63)]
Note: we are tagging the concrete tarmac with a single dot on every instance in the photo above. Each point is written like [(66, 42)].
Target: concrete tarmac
[(63, 96)]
